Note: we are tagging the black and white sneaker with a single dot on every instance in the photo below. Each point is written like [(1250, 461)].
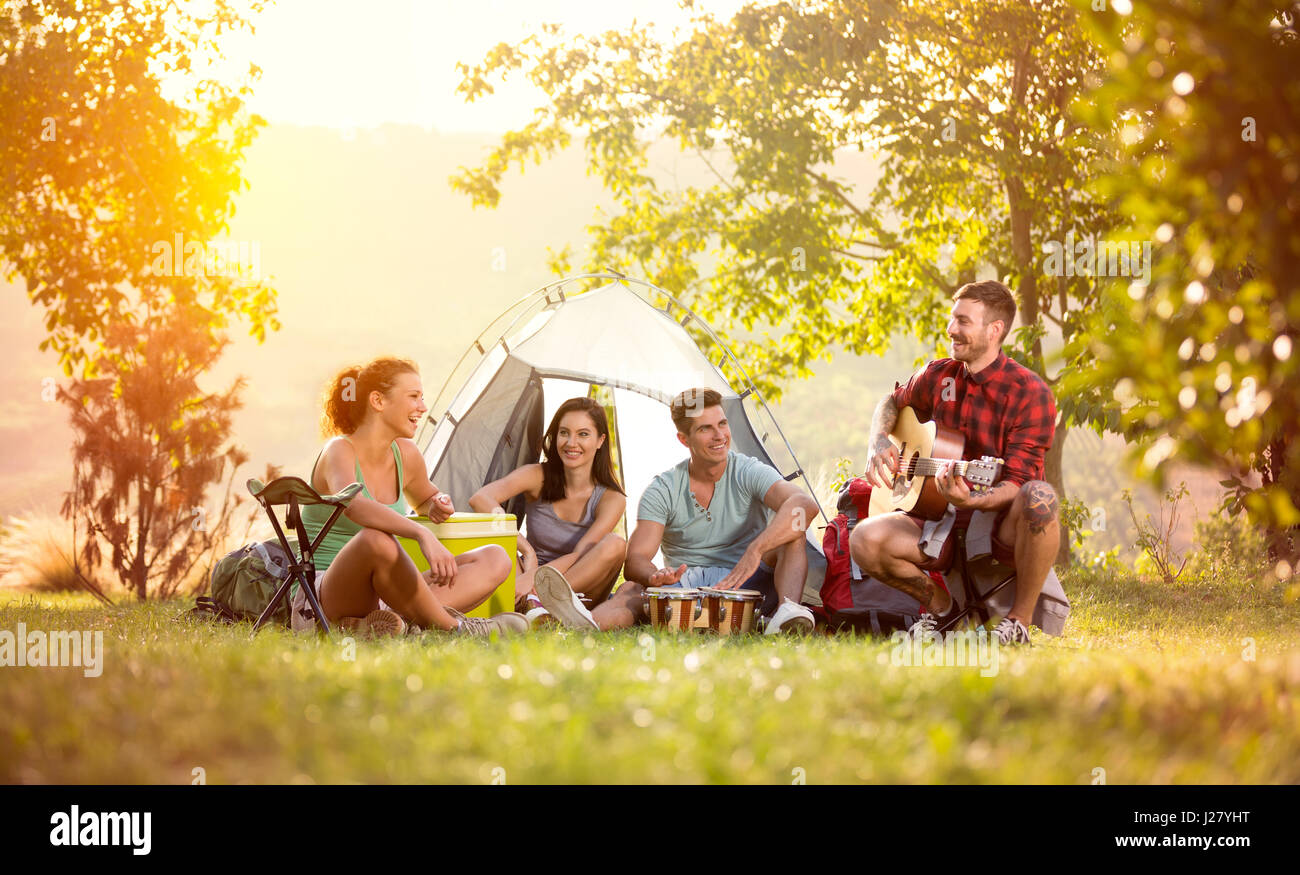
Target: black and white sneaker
[(1011, 632), (926, 627)]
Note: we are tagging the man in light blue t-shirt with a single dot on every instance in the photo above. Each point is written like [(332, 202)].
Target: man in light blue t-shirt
[(722, 519)]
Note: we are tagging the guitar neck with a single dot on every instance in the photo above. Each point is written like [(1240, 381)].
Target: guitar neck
[(923, 467)]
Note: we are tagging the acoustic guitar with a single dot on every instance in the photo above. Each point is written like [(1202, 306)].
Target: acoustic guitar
[(923, 449)]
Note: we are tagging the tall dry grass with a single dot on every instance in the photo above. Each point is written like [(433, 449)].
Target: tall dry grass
[(38, 554)]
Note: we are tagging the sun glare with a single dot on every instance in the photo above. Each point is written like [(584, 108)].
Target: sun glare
[(344, 65)]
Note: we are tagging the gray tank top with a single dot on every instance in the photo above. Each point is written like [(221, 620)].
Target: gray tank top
[(553, 537)]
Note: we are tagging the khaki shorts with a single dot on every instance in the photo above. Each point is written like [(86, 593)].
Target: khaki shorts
[(1003, 553)]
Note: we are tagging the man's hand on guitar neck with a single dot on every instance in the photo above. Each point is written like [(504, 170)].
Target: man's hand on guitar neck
[(954, 488), (957, 492)]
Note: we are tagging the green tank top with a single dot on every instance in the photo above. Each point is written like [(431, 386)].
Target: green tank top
[(315, 516)]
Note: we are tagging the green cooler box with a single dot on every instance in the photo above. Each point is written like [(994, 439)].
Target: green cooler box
[(466, 531)]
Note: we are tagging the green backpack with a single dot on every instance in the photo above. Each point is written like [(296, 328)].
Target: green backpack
[(244, 581)]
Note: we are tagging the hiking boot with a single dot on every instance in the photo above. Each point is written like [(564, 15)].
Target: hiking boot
[(561, 601), (536, 615), (790, 618), (505, 624), (1011, 632), (376, 624)]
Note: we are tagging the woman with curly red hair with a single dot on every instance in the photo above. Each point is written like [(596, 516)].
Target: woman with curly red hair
[(367, 582)]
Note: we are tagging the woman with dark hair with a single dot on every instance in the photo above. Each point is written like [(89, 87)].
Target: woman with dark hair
[(367, 582), (573, 501)]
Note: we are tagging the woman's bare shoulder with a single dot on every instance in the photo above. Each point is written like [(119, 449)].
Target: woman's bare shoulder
[(338, 447), (410, 452)]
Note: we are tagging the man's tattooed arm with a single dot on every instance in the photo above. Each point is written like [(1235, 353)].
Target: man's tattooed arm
[(883, 422)]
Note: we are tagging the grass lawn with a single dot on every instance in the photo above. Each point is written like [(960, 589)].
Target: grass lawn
[(1154, 684)]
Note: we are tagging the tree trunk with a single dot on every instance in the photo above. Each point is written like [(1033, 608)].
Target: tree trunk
[(1029, 315), (1055, 475)]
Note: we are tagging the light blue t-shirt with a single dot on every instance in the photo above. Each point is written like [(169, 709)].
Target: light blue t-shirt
[(736, 514)]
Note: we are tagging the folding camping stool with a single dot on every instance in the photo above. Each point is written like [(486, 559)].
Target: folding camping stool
[(295, 492), (975, 602)]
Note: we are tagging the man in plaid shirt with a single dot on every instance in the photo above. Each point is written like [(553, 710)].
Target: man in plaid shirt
[(1003, 410)]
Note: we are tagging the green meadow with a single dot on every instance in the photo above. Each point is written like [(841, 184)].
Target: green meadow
[(1186, 683)]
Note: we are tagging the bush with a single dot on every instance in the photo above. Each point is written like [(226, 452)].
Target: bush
[(1231, 549)]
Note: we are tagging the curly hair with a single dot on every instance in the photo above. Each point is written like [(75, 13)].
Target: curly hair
[(346, 399)]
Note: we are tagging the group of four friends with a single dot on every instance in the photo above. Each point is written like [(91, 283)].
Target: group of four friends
[(721, 519)]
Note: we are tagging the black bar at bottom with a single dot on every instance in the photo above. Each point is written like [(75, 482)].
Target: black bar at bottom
[(328, 824)]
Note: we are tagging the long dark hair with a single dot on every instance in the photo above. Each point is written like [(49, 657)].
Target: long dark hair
[(348, 396), (602, 467)]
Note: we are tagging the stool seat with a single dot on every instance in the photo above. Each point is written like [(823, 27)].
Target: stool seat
[(279, 490), (295, 493)]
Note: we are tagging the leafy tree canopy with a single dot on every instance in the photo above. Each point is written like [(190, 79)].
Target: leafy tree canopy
[(101, 166), (1202, 360), (967, 103)]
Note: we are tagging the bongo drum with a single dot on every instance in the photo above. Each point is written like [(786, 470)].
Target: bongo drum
[(672, 607), (731, 611)]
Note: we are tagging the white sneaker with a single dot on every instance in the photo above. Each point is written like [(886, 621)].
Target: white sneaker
[(1010, 632), (560, 600), (790, 617), (925, 628)]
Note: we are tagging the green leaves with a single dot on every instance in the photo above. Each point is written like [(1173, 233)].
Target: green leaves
[(1209, 172), (108, 188), (100, 165), (792, 235)]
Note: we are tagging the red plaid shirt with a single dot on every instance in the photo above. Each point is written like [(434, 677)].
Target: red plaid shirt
[(1005, 411)]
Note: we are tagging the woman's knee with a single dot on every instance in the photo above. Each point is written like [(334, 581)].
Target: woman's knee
[(381, 546), (498, 561), (613, 549)]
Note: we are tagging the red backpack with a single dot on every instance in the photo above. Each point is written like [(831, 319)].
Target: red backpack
[(854, 499), (849, 596)]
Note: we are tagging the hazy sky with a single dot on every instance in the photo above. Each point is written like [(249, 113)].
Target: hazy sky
[(344, 63)]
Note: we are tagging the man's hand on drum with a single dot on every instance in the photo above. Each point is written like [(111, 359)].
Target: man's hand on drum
[(442, 565), (744, 569), (667, 576), (883, 464)]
